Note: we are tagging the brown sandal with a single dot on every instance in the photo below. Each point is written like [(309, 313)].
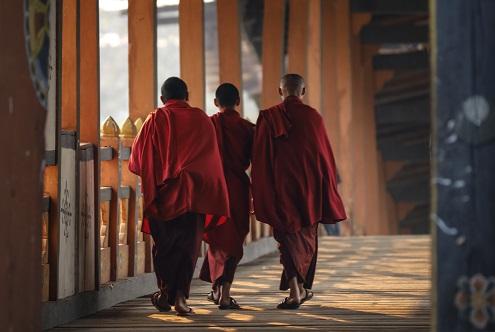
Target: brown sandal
[(189, 312), (231, 306), (155, 300)]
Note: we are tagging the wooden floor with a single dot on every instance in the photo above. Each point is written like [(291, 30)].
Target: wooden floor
[(362, 284)]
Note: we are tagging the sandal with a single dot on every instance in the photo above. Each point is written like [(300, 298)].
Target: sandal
[(155, 300), (287, 305), (231, 306), (309, 295), (189, 312), (211, 297)]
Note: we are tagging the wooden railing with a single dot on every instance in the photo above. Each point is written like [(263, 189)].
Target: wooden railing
[(109, 245)]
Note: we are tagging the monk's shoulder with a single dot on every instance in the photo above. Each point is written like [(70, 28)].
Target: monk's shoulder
[(312, 113)]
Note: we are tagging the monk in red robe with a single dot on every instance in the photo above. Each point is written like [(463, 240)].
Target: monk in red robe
[(235, 138), (184, 192), (294, 185)]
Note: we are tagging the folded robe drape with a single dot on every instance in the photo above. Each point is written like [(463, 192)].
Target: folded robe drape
[(293, 169), (234, 137), (176, 155)]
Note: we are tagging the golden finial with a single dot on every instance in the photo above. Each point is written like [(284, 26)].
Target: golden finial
[(128, 129), (110, 128), (138, 123)]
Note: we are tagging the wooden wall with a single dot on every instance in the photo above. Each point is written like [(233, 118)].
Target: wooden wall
[(464, 159), (21, 121)]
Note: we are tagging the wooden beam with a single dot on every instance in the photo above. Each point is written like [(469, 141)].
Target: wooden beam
[(192, 50), (70, 65), (345, 100), (408, 111), (314, 56), (229, 42), (298, 37), (142, 58), (390, 7), (410, 60), (394, 34), (273, 48), (89, 91)]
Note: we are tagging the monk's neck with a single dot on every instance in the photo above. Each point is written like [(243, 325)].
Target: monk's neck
[(293, 98), (227, 110)]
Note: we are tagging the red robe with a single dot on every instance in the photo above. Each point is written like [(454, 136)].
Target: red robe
[(293, 169), (235, 138), (176, 155)]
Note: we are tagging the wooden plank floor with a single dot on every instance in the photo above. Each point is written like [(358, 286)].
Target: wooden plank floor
[(362, 284)]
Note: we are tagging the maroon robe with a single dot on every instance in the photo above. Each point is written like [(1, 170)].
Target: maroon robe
[(184, 192), (294, 182), (235, 137)]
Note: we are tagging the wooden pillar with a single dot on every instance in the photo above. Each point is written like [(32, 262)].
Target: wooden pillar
[(314, 55), (229, 42), (330, 111), (463, 182), (142, 58), (70, 65), (192, 50), (89, 103), (66, 277), (21, 129), (298, 37), (273, 48), (345, 104)]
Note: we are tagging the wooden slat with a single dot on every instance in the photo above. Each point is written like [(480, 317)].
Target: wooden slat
[(69, 65), (314, 55), (376, 34), (229, 42), (131, 181), (330, 111), (142, 57), (345, 100), (110, 177), (298, 37), (89, 103), (192, 60), (409, 60), (391, 273), (390, 7), (273, 48), (68, 210)]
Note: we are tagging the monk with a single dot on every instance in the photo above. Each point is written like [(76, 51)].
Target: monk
[(235, 138), (294, 185), (184, 191)]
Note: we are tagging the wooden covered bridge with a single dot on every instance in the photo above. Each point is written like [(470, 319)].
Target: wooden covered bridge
[(407, 92)]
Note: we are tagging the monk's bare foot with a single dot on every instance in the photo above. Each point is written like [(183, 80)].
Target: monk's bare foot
[(182, 308)]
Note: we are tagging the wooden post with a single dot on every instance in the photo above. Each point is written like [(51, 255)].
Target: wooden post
[(463, 209), (87, 238), (67, 278), (314, 56), (330, 111), (21, 129), (192, 50), (229, 43), (345, 103), (129, 180), (298, 37), (110, 177), (273, 49), (89, 103), (142, 57)]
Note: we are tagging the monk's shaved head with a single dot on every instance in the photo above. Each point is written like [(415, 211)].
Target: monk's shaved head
[(292, 85), (174, 88)]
